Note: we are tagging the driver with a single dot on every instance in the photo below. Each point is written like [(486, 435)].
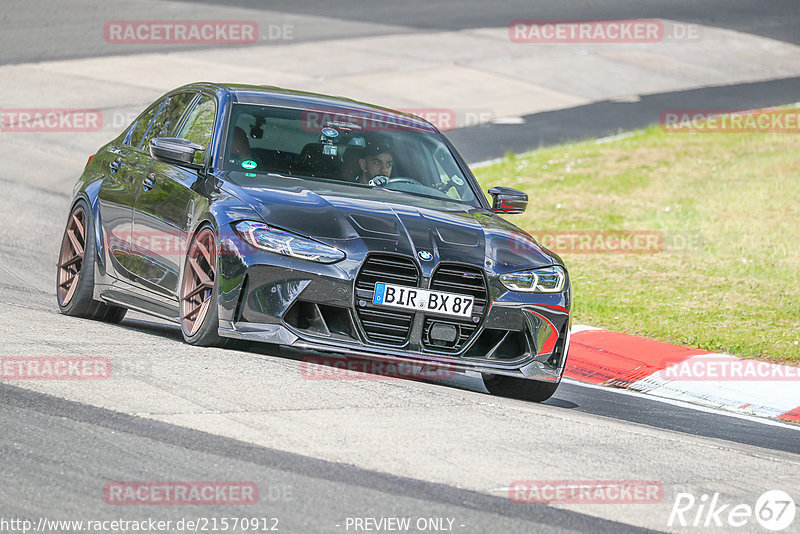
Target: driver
[(376, 160)]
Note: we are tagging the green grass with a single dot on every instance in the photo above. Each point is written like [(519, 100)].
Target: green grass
[(735, 197)]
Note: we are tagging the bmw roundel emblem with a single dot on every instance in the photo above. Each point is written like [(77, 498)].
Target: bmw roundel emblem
[(424, 255)]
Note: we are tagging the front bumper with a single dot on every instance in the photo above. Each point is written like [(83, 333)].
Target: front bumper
[(315, 307), (533, 368)]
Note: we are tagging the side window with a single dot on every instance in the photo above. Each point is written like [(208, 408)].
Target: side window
[(135, 139), (199, 126), (168, 118)]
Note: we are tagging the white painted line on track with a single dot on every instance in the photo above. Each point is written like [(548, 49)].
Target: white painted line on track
[(683, 404), (582, 328)]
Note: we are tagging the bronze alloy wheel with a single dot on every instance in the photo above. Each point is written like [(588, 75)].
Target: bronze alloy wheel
[(198, 281), (70, 260)]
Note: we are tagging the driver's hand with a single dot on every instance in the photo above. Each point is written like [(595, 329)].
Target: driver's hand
[(379, 181)]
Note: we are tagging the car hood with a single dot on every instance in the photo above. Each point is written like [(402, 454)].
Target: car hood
[(348, 217)]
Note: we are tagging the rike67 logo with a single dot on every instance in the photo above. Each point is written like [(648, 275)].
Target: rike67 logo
[(774, 510)]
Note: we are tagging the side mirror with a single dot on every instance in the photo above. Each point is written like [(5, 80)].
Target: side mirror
[(507, 200), (175, 150)]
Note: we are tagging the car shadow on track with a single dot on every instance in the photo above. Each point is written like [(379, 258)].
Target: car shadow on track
[(164, 330), (330, 366)]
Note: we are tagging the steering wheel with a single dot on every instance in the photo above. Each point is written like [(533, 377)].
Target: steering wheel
[(403, 180), (382, 181)]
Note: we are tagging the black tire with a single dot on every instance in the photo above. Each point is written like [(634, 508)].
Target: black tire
[(114, 314), (207, 333), (519, 388), (79, 302)]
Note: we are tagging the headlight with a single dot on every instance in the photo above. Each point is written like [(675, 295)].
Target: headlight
[(262, 236), (544, 280)]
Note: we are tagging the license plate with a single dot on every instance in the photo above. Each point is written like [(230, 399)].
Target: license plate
[(414, 298)]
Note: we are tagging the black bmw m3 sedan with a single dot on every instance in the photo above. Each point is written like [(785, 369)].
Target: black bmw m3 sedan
[(317, 222)]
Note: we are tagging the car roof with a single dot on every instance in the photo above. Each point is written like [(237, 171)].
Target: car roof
[(279, 97)]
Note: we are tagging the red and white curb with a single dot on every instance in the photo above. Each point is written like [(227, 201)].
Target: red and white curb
[(722, 381)]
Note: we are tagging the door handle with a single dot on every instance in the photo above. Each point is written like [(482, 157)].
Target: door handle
[(115, 165), (149, 182)]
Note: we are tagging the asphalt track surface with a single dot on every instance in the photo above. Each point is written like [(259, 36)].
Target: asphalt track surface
[(60, 444), (776, 19), (300, 492), (47, 35)]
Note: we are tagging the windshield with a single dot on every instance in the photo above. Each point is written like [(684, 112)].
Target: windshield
[(365, 152)]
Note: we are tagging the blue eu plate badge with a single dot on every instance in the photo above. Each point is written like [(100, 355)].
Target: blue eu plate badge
[(380, 292)]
